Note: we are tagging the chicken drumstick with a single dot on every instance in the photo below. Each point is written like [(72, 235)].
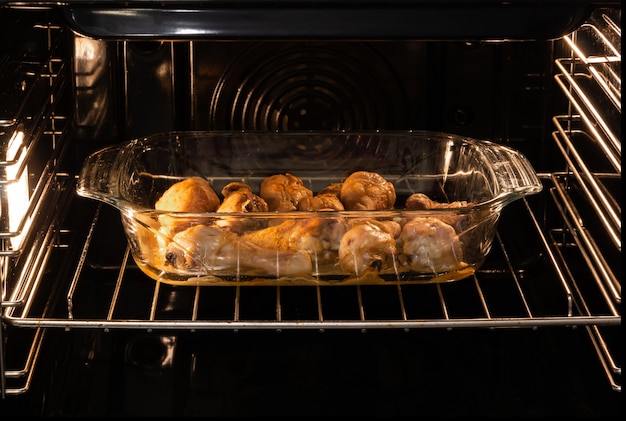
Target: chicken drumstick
[(202, 249)]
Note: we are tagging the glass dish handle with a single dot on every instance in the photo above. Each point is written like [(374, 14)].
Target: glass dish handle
[(97, 179), (513, 172)]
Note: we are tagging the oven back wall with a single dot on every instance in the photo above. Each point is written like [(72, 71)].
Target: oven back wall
[(129, 89)]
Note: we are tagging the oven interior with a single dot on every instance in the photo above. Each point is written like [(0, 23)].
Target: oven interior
[(534, 332)]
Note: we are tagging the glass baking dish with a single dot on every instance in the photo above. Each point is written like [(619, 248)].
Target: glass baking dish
[(222, 208)]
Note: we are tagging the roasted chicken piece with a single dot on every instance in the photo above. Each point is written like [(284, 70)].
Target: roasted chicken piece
[(326, 199), (332, 188), (203, 249), (194, 195), (319, 237), (282, 192), (364, 190), (419, 201), (430, 245), (322, 201), (388, 225), (238, 197), (369, 245)]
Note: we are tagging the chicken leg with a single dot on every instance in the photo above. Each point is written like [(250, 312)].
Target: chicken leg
[(317, 236), (431, 245), (203, 249), (369, 245)]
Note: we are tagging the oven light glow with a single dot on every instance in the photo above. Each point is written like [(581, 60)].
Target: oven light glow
[(17, 188), (17, 193), (15, 143)]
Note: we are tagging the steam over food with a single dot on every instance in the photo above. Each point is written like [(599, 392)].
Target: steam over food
[(321, 236)]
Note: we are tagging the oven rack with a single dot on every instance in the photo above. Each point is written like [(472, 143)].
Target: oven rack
[(588, 136), (33, 124), (590, 80), (502, 294), (29, 128), (501, 274)]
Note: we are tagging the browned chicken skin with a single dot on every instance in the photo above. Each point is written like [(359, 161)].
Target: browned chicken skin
[(238, 197), (419, 201), (318, 236), (322, 201), (194, 195), (282, 192), (326, 199), (203, 249), (332, 188), (290, 247), (364, 190)]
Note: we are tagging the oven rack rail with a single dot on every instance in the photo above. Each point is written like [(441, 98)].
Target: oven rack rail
[(589, 138), (590, 80), (30, 127), (597, 45), (33, 124)]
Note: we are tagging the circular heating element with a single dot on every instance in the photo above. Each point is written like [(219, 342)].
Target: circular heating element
[(308, 86)]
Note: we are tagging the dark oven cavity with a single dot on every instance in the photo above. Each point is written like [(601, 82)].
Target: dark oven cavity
[(534, 332)]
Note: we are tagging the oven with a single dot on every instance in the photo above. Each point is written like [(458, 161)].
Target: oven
[(534, 331)]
